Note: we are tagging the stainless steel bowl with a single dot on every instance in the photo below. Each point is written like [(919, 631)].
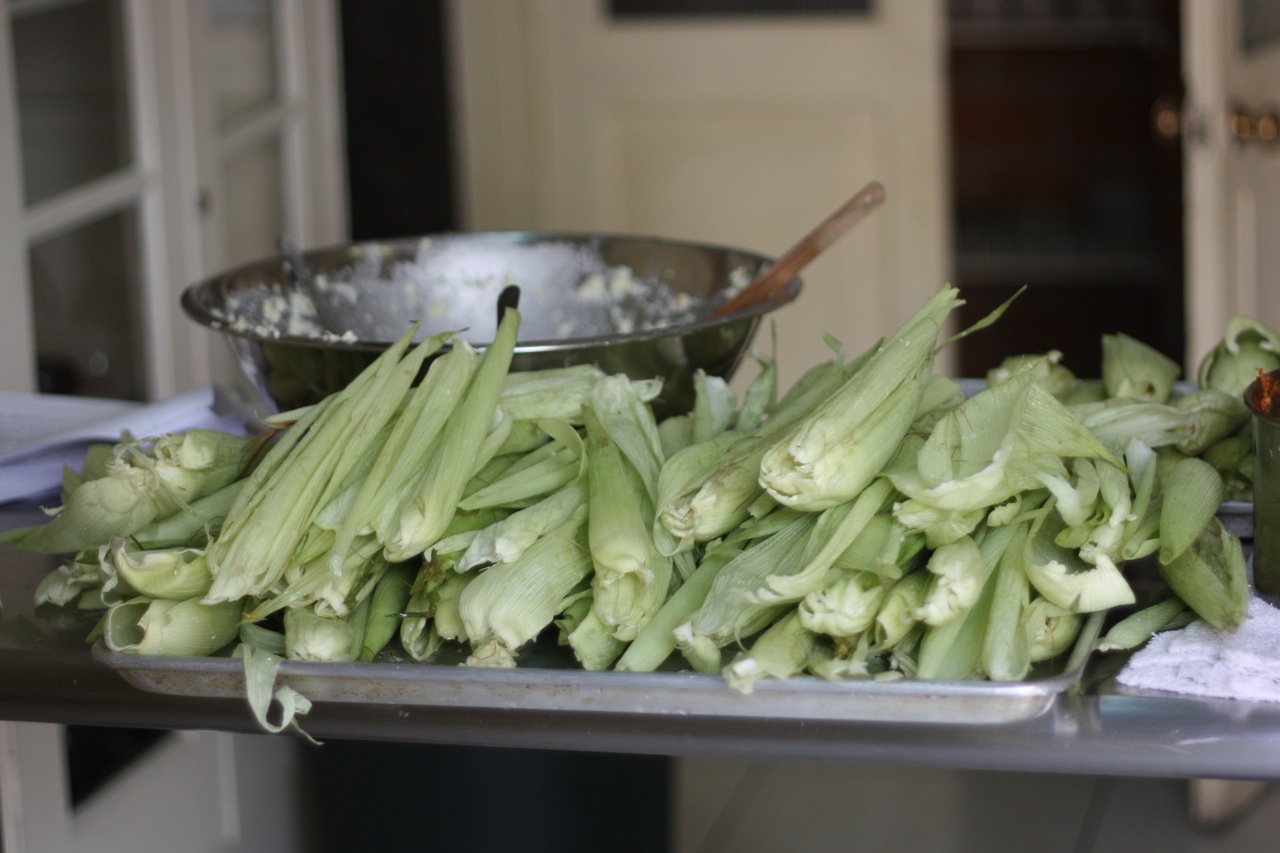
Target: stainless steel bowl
[(302, 327)]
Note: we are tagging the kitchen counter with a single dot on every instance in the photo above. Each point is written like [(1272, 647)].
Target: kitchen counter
[(48, 674)]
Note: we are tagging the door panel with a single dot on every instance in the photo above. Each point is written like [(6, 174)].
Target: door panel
[(744, 131), (1233, 183)]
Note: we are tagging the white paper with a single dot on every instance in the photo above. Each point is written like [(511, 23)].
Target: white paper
[(42, 433)]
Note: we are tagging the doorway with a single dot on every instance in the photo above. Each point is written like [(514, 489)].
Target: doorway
[(1059, 182)]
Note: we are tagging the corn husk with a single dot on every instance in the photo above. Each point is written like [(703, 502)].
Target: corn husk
[(783, 650), (845, 606), (897, 618), (187, 628), (656, 641), (145, 480), (1136, 628), (1050, 631), (833, 453), (508, 604), (726, 616), (1211, 576), (1247, 346), (1049, 371), (386, 609), (1193, 492), (1133, 369), (425, 516), (173, 573), (1065, 579)]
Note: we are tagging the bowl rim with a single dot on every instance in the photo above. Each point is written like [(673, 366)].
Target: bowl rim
[(197, 311)]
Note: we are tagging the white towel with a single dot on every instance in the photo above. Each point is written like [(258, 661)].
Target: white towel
[(1204, 661)]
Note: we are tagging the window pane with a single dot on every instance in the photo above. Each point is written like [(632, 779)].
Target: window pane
[(89, 337), (253, 216), (244, 56), (73, 101)]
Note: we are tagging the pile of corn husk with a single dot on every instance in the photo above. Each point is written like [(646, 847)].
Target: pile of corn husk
[(871, 522)]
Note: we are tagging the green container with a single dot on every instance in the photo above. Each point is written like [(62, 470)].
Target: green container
[(1266, 490)]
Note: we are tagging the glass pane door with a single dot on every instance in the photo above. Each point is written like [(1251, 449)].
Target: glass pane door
[(77, 147)]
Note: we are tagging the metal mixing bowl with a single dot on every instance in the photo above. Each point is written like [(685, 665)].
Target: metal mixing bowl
[(302, 325)]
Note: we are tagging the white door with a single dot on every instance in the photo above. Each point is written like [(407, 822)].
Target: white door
[(739, 130), (145, 144), (1231, 61)]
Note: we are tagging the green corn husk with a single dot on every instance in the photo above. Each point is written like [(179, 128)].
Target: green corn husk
[(386, 609), (311, 637), (1232, 458), (845, 606), (958, 572), (172, 573), (520, 485), (1132, 369), (411, 447), (617, 526), (832, 454), (630, 424), (1116, 422), (1061, 576), (507, 605), (1136, 628), (1217, 415), (261, 637), (953, 650), (726, 617), (1247, 346), (761, 396), (897, 618), (193, 525), (187, 628), (675, 433), (302, 473), (1049, 630), (260, 668), (448, 614), (1049, 372), (594, 643), (426, 515), (1211, 577), (144, 481), (1006, 650), (1001, 442), (69, 580), (506, 539), (783, 650), (714, 406), (682, 472), (884, 547), (836, 531), (656, 641), (560, 392), (574, 613), (1193, 492)]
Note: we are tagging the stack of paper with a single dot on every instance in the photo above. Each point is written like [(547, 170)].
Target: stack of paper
[(42, 433)]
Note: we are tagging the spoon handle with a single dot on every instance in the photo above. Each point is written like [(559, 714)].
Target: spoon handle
[(810, 246)]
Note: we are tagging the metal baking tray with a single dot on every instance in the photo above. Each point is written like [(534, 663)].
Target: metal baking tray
[(1237, 516), (662, 694)]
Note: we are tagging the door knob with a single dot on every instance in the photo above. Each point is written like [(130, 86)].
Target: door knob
[(1254, 128), (1172, 120)]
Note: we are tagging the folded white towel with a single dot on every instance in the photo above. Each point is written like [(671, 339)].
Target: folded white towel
[(1204, 661)]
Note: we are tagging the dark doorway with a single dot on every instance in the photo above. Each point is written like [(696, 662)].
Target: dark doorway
[(396, 92), (1059, 182)]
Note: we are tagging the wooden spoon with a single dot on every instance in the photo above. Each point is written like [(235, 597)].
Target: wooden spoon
[(810, 246)]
